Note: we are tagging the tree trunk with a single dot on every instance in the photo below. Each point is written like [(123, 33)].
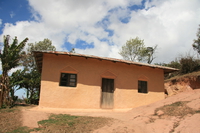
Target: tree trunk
[(5, 89), (1, 96)]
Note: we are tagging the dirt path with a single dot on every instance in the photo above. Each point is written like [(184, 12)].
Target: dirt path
[(138, 120)]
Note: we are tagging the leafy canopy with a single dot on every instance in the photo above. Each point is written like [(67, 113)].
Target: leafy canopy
[(135, 50), (10, 58), (12, 53)]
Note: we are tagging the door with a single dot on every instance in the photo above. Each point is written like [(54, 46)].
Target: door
[(107, 98)]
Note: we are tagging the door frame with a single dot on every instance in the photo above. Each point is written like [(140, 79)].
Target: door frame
[(113, 90)]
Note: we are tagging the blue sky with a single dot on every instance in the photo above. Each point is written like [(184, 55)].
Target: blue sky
[(101, 27)]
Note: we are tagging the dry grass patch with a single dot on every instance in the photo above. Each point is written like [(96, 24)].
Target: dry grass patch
[(72, 124), (177, 109), (192, 75), (11, 122), (10, 119)]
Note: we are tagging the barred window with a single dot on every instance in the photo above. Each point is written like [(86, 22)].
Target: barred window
[(142, 87), (68, 79)]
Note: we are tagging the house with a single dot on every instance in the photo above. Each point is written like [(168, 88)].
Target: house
[(71, 80)]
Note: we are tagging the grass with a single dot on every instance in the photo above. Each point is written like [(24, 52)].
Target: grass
[(177, 109), (9, 119), (10, 122), (21, 130), (188, 75), (68, 123), (61, 119)]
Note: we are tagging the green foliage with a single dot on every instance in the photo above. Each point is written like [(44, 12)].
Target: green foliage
[(10, 58), (61, 119), (31, 78), (45, 45), (185, 64), (4, 106), (174, 64), (196, 44), (28, 60), (21, 130), (189, 65), (12, 53), (135, 50), (67, 123), (16, 79)]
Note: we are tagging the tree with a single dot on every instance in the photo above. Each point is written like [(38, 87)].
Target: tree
[(149, 54), (196, 44), (133, 50), (31, 80), (72, 50), (16, 79), (10, 57), (45, 45)]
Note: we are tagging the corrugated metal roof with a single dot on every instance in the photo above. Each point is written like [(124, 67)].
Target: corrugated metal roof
[(39, 58)]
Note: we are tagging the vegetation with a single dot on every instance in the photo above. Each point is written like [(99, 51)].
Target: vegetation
[(68, 123), (135, 50), (13, 56), (10, 58), (10, 120), (55, 123), (177, 109), (196, 44), (31, 76), (185, 64)]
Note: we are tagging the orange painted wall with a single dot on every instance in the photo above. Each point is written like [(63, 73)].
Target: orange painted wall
[(89, 71)]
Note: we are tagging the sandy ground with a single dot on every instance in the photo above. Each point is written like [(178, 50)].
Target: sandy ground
[(136, 120)]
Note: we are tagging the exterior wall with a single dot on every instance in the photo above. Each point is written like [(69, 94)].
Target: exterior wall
[(87, 93)]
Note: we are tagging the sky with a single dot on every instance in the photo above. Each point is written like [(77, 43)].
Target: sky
[(102, 27)]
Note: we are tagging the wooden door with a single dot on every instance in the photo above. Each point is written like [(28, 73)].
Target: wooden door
[(107, 93)]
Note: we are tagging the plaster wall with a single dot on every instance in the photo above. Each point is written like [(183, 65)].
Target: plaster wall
[(87, 93)]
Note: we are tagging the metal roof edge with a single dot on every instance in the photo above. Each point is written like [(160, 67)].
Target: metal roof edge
[(166, 69)]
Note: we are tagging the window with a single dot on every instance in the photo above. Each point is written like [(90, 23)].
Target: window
[(142, 87), (67, 79)]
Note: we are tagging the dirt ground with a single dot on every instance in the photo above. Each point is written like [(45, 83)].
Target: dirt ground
[(137, 120)]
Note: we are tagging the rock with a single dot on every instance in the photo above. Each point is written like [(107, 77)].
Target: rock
[(170, 91), (159, 113)]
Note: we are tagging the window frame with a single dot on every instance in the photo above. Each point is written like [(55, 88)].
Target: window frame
[(142, 86), (66, 79)]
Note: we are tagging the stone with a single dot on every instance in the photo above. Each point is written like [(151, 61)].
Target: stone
[(160, 112)]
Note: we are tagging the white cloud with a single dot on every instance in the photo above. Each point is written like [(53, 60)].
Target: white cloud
[(172, 24)]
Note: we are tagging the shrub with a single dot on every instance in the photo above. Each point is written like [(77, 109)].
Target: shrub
[(189, 64)]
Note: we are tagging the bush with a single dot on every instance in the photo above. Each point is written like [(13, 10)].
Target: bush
[(189, 64), (185, 64)]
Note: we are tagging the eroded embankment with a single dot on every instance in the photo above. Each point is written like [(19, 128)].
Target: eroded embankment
[(185, 83)]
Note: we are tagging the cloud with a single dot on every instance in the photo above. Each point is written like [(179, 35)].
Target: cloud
[(107, 25)]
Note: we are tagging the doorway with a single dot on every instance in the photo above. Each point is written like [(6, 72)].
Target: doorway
[(107, 94)]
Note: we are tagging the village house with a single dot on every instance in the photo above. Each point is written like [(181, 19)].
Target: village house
[(76, 81)]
